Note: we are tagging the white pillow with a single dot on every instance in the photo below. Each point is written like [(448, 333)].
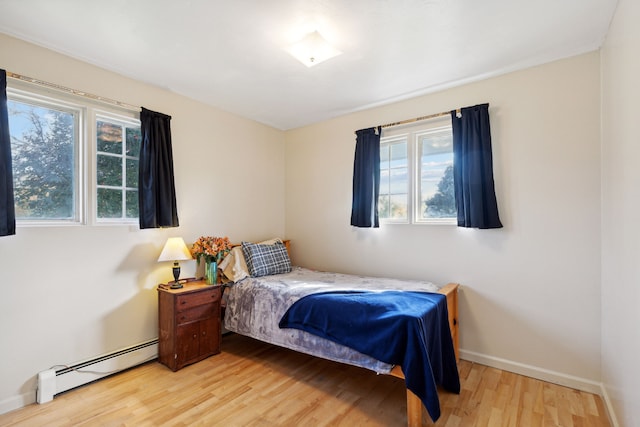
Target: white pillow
[(233, 266)]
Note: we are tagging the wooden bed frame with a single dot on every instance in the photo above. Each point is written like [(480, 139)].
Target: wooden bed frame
[(415, 408)]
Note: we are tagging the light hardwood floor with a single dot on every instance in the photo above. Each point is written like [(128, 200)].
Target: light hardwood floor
[(255, 384)]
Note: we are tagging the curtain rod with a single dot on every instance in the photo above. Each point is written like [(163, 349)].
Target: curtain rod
[(73, 91), (417, 119)]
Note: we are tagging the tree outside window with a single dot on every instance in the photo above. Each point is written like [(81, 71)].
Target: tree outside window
[(49, 138), (118, 148), (43, 148)]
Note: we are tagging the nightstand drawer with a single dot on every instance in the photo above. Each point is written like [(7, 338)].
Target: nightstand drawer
[(197, 313), (188, 301)]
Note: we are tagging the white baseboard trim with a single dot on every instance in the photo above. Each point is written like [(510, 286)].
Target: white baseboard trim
[(86, 372), (533, 372), (16, 402), (609, 406)]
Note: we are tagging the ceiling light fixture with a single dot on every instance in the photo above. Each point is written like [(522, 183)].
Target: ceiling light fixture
[(312, 49)]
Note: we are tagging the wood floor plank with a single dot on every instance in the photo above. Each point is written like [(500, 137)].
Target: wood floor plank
[(255, 384)]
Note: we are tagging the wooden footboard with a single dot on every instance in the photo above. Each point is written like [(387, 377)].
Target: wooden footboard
[(451, 292), (414, 404)]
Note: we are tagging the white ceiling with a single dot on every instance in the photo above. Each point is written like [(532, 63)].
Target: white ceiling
[(230, 54)]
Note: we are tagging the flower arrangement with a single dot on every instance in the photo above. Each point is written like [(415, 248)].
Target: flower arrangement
[(210, 248)]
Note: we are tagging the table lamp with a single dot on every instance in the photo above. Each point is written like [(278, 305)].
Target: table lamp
[(175, 250)]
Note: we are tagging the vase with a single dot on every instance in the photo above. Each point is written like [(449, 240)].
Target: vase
[(211, 272)]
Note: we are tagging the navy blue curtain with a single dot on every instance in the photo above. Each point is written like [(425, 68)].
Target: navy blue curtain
[(366, 178), (7, 208), (156, 187), (473, 168)]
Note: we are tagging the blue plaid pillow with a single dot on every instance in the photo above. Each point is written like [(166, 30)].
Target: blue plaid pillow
[(264, 260)]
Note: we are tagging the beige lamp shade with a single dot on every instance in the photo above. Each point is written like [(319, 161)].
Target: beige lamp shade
[(175, 250)]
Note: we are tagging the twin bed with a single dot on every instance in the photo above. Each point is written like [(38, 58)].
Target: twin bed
[(416, 329)]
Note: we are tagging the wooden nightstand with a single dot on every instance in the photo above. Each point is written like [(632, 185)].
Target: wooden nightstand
[(189, 323)]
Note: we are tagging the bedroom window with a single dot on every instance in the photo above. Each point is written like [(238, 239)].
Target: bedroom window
[(74, 161), (46, 152), (117, 151), (416, 174)]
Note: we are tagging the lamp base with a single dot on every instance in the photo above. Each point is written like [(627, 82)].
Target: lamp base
[(176, 274)]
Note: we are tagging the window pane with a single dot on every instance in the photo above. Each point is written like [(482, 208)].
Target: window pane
[(109, 203), (384, 153), (437, 199), (134, 136), (43, 149), (398, 181), (437, 143), (109, 170), (132, 173), (132, 203), (384, 158), (383, 206), (109, 137), (384, 180), (394, 180), (398, 206), (399, 154)]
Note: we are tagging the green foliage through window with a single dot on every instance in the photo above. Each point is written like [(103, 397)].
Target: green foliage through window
[(118, 145), (43, 149), (52, 150), (443, 203)]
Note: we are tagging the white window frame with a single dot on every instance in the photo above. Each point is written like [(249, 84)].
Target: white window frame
[(123, 120), (85, 184), (411, 133), (79, 112)]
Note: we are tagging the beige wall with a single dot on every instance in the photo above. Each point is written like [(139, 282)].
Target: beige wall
[(531, 292), (72, 293), (620, 208), (530, 297)]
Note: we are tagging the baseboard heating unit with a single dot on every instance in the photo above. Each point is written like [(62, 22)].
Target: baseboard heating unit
[(63, 378)]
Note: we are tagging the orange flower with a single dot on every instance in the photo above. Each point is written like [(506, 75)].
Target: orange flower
[(211, 248)]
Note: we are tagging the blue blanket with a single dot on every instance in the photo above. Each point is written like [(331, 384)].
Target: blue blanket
[(410, 329)]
